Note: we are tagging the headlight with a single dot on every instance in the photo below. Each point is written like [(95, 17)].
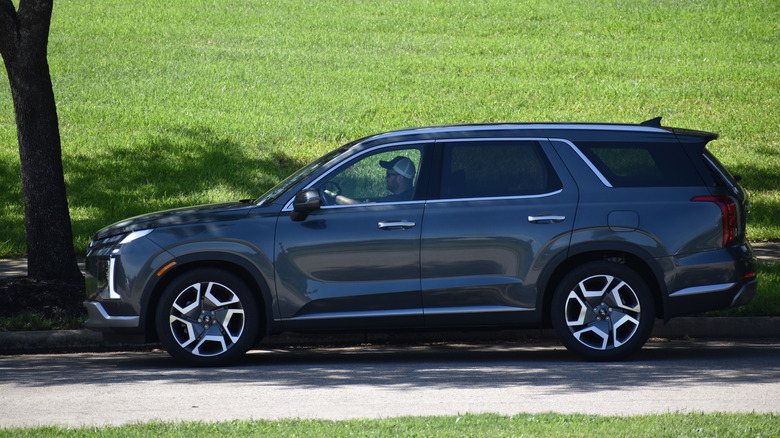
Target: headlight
[(135, 235), (110, 266), (129, 238)]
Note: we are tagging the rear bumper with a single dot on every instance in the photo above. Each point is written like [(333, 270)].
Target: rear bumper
[(745, 294), (708, 298), (713, 280)]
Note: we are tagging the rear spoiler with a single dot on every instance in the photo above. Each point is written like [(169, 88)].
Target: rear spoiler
[(656, 123)]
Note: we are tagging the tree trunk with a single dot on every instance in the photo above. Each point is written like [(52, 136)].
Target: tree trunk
[(23, 45)]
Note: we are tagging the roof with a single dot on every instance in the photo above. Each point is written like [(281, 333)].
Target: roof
[(649, 126)]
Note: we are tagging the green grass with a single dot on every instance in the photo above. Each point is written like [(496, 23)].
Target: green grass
[(767, 299), (164, 104), (766, 302), (30, 320), (484, 425)]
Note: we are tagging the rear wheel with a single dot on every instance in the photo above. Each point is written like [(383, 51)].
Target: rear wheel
[(603, 311), (207, 317)]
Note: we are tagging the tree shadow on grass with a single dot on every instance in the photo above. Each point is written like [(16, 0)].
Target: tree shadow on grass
[(178, 168), (12, 234), (764, 213)]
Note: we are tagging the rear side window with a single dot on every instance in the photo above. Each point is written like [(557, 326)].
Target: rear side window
[(496, 169), (641, 164)]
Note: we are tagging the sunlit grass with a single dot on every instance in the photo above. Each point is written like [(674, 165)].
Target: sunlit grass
[(175, 103), (766, 302), (468, 425)]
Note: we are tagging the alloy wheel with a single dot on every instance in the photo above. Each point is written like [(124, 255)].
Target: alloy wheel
[(602, 312), (206, 318)]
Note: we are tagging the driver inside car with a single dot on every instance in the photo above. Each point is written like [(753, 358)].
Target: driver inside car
[(398, 177)]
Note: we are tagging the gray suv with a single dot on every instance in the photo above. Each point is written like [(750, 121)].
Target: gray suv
[(593, 229)]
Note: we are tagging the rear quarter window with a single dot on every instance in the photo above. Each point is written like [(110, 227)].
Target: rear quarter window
[(642, 164), (720, 176)]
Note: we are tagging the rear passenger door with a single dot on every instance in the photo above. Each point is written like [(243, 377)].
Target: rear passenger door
[(502, 208)]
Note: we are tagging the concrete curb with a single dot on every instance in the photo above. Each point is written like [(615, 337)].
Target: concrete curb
[(61, 341)]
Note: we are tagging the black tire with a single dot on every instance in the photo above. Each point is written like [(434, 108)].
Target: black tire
[(603, 311), (207, 317)]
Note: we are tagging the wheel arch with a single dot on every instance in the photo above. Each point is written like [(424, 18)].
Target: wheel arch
[(232, 263), (634, 257)]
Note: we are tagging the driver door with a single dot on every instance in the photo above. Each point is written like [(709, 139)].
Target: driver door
[(349, 265)]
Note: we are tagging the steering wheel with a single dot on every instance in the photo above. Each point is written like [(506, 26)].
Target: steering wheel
[(329, 191)]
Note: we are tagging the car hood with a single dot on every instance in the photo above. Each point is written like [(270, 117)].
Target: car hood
[(179, 216)]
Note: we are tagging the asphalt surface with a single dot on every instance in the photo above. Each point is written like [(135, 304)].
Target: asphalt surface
[(37, 342), (380, 382), (689, 365)]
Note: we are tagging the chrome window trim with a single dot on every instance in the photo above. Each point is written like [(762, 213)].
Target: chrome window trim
[(593, 168), (288, 206), (371, 204), (495, 198), (439, 201)]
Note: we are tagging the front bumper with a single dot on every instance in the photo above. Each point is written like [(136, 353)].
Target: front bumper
[(98, 319), (116, 274)]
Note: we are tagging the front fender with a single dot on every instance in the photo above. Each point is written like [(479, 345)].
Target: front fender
[(254, 267)]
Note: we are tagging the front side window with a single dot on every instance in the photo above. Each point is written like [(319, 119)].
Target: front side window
[(484, 169), (389, 175)]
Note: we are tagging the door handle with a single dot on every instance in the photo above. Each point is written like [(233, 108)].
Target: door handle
[(395, 225), (546, 219)]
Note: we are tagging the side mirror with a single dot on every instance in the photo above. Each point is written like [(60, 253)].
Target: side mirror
[(305, 202)]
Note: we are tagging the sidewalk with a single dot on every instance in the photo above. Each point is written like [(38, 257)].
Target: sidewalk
[(677, 328)]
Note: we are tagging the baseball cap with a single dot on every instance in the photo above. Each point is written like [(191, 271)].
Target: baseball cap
[(402, 165)]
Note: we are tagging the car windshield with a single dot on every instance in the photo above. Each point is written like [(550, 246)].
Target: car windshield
[(273, 194)]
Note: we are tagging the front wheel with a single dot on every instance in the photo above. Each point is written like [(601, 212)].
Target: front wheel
[(603, 311), (207, 317)]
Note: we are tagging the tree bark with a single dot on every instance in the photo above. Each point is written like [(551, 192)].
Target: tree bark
[(24, 38)]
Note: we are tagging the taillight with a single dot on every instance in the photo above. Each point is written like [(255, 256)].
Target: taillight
[(728, 211)]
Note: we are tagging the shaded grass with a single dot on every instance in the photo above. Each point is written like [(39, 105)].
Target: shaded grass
[(27, 321), (767, 299), (483, 425), (177, 103), (27, 304)]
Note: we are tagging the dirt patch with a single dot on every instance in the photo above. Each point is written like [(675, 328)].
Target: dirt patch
[(55, 300)]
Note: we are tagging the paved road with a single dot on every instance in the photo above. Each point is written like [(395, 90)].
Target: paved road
[(339, 383)]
